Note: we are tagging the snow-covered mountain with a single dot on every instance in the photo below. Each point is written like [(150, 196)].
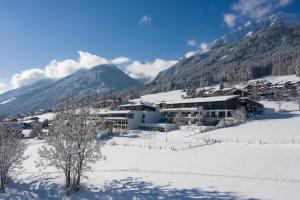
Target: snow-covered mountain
[(45, 94), (270, 46), (253, 26)]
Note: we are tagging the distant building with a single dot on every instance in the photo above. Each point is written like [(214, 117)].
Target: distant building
[(108, 104)]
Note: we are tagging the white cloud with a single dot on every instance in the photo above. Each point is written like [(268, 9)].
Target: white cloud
[(189, 54), (204, 47), (88, 60), (27, 77), (192, 42), (256, 9), (284, 2), (120, 60), (146, 19), (230, 19), (2, 87), (59, 69), (148, 70)]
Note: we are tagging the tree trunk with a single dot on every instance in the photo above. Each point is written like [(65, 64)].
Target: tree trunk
[(68, 181), (2, 189), (78, 182), (79, 170)]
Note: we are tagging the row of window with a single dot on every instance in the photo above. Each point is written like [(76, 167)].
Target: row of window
[(220, 114), (123, 127), (129, 115), (206, 106)]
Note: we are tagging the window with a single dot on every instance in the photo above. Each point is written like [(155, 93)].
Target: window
[(213, 115), (130, 116), (143, 118), (229, 114), (222, 114), (207, 115)]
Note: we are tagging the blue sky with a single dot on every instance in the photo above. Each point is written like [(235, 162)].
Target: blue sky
[(145, 34)]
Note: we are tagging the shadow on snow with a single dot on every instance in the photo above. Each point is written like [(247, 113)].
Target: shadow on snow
[(129, 188), (284, 115)]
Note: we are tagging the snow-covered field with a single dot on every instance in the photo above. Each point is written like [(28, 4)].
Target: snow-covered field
[(256, 160), (285, 105), (278, 79)]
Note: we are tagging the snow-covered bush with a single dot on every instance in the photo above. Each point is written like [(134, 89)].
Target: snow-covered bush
[(204, 129), (239, 117), (228, 123), (113, 143), (225, 123)]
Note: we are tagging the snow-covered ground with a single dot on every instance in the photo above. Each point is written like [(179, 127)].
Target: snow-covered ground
[(278, 79), (256, 160), (7, 101), (289, 106)]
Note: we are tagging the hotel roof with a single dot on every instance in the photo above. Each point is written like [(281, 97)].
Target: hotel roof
[(204, 99), (115, 112)]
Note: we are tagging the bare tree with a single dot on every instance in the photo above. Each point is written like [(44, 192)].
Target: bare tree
[(37, 130), (240, 115), (178, 118), (72, 144), (297, 67), (11, 152), (88, 146), (298, 98), (59, 151), (279, 96)]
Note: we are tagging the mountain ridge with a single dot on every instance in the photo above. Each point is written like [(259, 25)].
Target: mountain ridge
[(45, 94), (271, 50)]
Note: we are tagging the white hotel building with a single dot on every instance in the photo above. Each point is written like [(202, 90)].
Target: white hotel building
[(167, 115)]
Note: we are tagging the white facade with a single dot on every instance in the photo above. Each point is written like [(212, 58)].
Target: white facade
[(124, 120), (190, 116)]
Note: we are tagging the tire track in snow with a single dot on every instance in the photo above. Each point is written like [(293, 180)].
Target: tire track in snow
[(179, 173)]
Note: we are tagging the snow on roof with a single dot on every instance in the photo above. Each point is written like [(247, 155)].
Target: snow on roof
[(114, 112), (26, 133), (178, 109), (28, 121), (131, 104), (160, 97), (205, 99), (136, 104), (211, 91), (46, 116), (163, 125), (112, 118)]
